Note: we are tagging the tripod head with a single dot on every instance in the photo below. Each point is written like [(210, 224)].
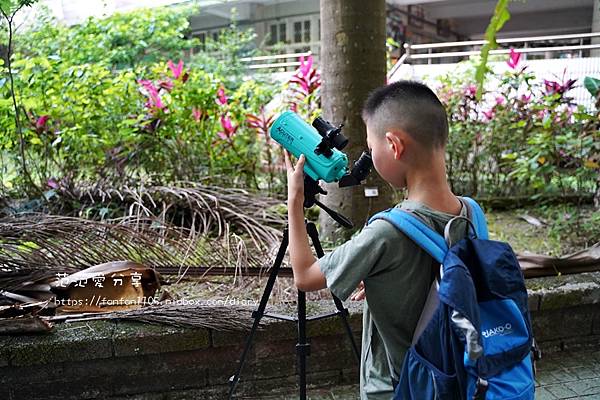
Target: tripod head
[(311, 189), (359, 172)]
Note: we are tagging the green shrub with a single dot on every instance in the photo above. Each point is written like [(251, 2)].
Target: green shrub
[(524, 138), (118, 113)]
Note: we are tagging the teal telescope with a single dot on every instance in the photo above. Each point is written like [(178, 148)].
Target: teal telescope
[(322, 162), (321, 144)]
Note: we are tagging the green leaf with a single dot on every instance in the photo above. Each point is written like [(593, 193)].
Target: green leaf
[(509, 156), (10, 7), (6, 6), (592, 85), (501, 15)]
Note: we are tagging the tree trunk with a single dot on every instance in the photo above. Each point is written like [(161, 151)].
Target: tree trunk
[(595, 27), (353, 63)]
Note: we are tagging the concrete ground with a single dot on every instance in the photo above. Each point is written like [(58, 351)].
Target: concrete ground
[(561, 375), (570, 375)]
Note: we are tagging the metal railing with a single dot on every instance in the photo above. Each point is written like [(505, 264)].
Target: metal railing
[(430, 47), (273, 61)]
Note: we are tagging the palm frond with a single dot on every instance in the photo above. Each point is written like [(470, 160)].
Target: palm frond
[(36, 247), (220, 318), (200, 208)]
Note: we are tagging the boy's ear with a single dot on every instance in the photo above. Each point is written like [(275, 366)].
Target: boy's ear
[(396, 144)]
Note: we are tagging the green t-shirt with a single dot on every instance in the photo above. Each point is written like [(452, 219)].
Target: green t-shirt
[(397, 275)]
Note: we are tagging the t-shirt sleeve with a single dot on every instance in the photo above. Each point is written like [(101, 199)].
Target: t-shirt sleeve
[(356, 259)]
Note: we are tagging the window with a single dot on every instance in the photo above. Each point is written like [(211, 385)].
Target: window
[(302, 31), (282, 33), (307, 31), (319, 31), (201, 37), (277, 33), (273, 35), (297, 32)]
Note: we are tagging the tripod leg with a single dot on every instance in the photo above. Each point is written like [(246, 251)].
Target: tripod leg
[(344, 315), (258, 313), (302, 348), (343, 312)]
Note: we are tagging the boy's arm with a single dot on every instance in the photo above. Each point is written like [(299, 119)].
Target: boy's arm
[(305, 267)]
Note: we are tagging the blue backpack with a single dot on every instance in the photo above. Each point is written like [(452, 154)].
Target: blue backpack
[(474, 337)]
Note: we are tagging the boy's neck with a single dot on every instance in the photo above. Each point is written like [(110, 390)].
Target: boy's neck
[(430, 187)]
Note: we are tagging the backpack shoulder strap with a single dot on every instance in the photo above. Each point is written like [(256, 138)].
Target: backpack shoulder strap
[(425, 237), (477, 217)]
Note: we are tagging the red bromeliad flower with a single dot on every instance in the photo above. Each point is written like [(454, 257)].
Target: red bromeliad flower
[(154, 101), (40, 123), (52, 183), (525, 98), (513, 59), (305, 65), (221, 97), (260, 123), (553, 87), (306, 77), (228, 128), (177, 70), (471, 90), (199, 114), (166, 84), (489, 114)]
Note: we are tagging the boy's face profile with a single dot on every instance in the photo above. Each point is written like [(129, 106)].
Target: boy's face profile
[(387, 151)]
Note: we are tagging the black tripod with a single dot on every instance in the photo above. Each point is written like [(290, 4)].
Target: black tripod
[(302, 347)]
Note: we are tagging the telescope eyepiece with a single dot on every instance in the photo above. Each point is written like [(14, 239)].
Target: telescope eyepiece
[(359, 171), (362, 166), (332, 136)]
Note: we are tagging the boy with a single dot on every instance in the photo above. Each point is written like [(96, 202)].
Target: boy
[(407, 130)]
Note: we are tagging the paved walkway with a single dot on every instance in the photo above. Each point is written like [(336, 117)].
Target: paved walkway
[(563, 375), (569, 375)]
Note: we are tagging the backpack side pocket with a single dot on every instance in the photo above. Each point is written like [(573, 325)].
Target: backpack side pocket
[(421, 380)]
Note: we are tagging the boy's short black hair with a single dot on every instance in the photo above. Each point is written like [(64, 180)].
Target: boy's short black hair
[(410, 106)]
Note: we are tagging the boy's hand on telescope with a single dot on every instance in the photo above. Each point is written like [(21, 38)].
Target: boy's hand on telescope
[(360, 295), (295, 176)]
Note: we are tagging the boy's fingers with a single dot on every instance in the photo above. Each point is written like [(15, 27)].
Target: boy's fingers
[(360, 295), (288, 163), (300, 163)]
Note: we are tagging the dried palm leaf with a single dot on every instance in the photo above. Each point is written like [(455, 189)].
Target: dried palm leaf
[(23, 318), (536, 265), (201, 208), (34, 248), (220, 318)]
